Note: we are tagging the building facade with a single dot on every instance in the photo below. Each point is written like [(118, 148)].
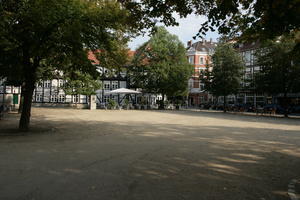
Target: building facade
[(199, 55), (247, 93), (9, 95), (51, 93)]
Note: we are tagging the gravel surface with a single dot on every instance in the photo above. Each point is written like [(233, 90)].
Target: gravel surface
[(148, 155)]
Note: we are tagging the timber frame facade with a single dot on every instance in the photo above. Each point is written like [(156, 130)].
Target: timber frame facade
[(9, 95), (50, 92)]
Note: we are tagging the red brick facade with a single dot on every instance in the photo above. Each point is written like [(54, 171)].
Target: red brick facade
[(199, 55)]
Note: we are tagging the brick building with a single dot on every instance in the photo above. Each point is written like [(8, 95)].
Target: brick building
[(199, 55)]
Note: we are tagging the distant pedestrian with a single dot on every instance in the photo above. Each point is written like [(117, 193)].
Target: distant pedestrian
[(1, 111)]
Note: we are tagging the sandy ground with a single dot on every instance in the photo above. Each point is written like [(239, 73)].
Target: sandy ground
[(148, 155)]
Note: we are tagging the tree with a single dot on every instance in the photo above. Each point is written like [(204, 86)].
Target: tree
[(78, 83), (253, 19), (38, 37), (280, 68), (160, 65), (117, 58), (227, 70)]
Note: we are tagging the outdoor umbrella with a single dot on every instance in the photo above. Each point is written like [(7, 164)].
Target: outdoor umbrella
[(123, 91)]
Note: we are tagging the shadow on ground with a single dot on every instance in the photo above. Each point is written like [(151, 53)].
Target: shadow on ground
[(233, 116), (90, 159)]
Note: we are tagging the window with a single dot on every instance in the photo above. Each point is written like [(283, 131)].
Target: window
[(54, 98), (191, 59), (39, 98), (61, 98), (60, 83), (106, 99), (76, 98), (47, 84), (114, 85), (201, 60), (247, 57), (39, 84), (201, 86), (106, 86)]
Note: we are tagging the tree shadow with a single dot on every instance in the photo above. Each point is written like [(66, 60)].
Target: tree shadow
[(232, 116), (149, 160)]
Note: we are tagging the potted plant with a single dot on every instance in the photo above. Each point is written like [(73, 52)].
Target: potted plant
[(111, 104), (126, 104)]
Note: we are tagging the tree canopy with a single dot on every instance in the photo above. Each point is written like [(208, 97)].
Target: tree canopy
[(40, 37), (160, 65), (280, 68), (226, 74), (117, 58), (253, 19)]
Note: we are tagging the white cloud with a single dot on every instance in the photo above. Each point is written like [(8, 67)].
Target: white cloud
[(188, 27)]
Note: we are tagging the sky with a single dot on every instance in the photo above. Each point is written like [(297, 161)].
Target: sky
[(188, 27)]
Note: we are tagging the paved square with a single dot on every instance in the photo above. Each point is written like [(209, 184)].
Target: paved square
[(155, 155)]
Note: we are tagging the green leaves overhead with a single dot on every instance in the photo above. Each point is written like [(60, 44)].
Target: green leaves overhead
[(117, 57), (160, 65), (58, 31), (253, 19), (39, 38)]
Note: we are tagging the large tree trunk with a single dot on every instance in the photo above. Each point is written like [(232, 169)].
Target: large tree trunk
[(26, 108), (29, 82)]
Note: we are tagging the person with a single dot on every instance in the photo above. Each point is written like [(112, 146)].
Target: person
[(1, 111)]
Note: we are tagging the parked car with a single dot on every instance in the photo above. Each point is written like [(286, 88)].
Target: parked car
[(244, 107), (295, 109), (205, 106), (274, 108)]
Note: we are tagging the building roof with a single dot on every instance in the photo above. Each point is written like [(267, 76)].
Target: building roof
[(248, 46), (92, 57), (204, 45), (94, 60)]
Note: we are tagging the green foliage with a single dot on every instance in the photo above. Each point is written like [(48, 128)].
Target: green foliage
[(143, 100), (126, 102), (39, 38), (254, 19), (227, 71), (116, 58), (160, 65), (112, 104), (78, 83), (53, 34), (280, 67)]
